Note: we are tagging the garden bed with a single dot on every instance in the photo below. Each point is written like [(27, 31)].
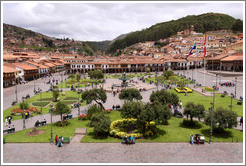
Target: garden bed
[(44, 103), (179, 90)]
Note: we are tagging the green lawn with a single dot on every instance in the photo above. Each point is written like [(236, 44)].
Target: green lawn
[(46, 96), (173, 132), (174, 78), (219, 101)]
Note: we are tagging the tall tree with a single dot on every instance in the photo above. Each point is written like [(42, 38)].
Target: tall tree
[(130, 94), (97, 95), (194, 110), (96, 75), (78, 76), (164, 97), (167, 73), (72, 76), (55, 94), (61, 108)]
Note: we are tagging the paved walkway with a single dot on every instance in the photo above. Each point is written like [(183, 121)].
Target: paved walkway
[(118, 153)]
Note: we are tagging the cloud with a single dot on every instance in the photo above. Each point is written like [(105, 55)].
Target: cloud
[(104, 21)]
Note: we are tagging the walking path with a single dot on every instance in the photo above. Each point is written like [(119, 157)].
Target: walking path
[(119, 153)]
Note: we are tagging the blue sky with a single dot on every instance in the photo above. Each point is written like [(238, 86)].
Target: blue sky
[(104, 21)]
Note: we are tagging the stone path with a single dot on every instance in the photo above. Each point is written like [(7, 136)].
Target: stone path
[(78, 135), (119, 153)]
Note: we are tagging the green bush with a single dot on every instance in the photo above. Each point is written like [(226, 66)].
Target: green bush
[(101, 124), (92, 110), (69, 101), (209, 89), (239, 103)]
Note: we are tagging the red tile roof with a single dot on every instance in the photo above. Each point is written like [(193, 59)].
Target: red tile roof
[(25, 66), (8, 69)]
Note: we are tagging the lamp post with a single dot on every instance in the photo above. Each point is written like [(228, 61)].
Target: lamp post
[(51, 133), (232, 96), (211, 123), (156, 80), (61, 80), (235, 87), (78, 101), (16, 92), (34, 89), (40, 90), (23, 114)]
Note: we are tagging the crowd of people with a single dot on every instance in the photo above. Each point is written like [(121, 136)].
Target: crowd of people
[(59, 141)]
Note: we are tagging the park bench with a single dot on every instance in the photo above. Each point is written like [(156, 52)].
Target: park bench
[(11, 130), (42, 123), (241, 98), (66, 140), (123, 140), (14, 102), (69, 116)]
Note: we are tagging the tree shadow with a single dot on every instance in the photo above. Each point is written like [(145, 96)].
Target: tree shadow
[(191, 125), (159, 132), (93, 136), (217, 134)]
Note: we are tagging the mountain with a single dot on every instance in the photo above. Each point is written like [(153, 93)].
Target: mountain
[(201, 23), (17, 38)]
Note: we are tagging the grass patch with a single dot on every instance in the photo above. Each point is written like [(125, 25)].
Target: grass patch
[(46, 99), (69, 101), (40, 103), (70, 98), (173, 132), (219, 101)]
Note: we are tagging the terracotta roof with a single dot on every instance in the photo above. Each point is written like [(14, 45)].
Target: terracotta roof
[(233, 58), (49, 64), (8, 69), (219, 57), (25, 66)]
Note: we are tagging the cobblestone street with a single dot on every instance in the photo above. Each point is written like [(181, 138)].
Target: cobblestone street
[(118, 153)]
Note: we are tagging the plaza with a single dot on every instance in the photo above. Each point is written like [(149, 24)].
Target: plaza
[(161, 157)]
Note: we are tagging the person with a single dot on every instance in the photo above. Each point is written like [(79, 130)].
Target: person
[(192, 139), (130, 139), (241, 121), (197, 140), (59, 143), (62, 139), (6, 122), (180, 104), (9, 120), (56, 139), (126, 140)]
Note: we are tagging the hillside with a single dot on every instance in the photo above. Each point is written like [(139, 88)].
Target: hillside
[(17, 38), (201, 23)]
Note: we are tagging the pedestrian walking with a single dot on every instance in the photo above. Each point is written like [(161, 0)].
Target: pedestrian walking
[(192, 140), (180, 104), (56, 139), (241, 121), (6, 122), (9, 120)]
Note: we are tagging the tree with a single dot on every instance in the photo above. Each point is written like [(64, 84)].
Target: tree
[(223, 117), (56, 94), (25, 105), (164, 97), (78, 76), (72, 76), (147, 70), (131, 109), (167, 73), (96, 95), (96, 75), (130, 94), (61, 108), (94, 109), (194, 110), (101, 124)]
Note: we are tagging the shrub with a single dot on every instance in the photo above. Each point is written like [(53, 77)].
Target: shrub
[(83, 117), (62, 123), (101, 124), (209, 89), (92, 110), (239, 103)]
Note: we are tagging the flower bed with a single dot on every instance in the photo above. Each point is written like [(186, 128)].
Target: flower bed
[(188, 90), (62, 123), (107, 111), (18, 111), (117, 128), (82, 117), (209, 89)]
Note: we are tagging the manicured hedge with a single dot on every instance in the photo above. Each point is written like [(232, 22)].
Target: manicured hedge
[(188, 90), (44, 103)]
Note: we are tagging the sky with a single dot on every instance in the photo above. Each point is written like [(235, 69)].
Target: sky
[(104, 21)]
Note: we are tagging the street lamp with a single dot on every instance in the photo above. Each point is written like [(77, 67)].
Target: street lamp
[(34, 89), (156, 80), (211, 123), (51, 133), (232, 96), (40, 90), (23, 114), (235, 87), (79, 91), (16, 92)]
